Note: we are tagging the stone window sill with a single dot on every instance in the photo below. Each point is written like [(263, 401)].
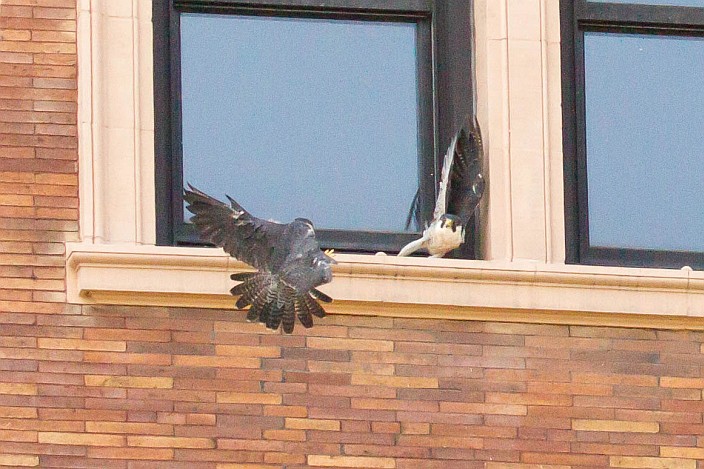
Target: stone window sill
[(403, 287)]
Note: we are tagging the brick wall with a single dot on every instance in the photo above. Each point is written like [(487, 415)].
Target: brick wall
[(38, 180), (166, 387), (119, 387)]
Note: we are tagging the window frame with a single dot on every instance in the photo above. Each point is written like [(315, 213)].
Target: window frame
[(449, 81), (577, 18)]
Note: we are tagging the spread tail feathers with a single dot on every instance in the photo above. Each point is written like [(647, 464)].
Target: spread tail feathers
[(275, 304)]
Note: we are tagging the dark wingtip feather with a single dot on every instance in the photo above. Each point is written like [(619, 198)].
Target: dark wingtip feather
[(253, 313), (238, 289), (242, 302), (314, 307), (303, 313), (274, 317), (288, 321), (242, 276), (414, 212), (317, 294)]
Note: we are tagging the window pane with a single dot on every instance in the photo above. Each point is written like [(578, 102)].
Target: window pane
[(645, 148), (676, 3), (302, 117)]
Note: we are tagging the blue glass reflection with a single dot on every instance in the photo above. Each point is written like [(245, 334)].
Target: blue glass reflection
[(645, 141), (302, 117)]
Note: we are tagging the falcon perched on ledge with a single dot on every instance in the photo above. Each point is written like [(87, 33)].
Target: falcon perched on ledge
[(461, 188), (288, 258)]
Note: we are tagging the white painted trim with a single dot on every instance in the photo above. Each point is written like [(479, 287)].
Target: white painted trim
[(116, 121), (176, 276)]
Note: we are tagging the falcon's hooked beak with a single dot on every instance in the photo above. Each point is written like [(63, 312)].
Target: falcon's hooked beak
[(450, 223)]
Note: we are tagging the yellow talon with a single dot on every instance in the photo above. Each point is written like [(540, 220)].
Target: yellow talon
[(330, 252)]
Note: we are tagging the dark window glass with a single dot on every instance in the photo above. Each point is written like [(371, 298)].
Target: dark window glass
[(633, 112), (645, 141), (334, 110), (302, 117), (681, 3)]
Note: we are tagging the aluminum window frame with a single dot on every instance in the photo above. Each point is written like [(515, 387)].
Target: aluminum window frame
[(577, 18), (445, 47)]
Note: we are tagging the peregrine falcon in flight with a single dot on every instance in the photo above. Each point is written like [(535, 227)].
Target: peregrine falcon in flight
[(461, 188), (288, 258)]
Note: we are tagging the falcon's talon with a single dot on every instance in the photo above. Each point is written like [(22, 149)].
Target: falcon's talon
[(330, 252)]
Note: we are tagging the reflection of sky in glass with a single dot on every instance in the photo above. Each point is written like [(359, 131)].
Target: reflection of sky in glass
[(302, 117), (677, 3), (645, 141)]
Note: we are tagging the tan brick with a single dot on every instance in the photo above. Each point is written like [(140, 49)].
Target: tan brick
[(386, 427), (285, 435), (248, 398), (14, 152), (129, 382), (201, 419), (248, 351), (651, 463), (350, 461), (394, 404), (128, 358), (505, 465), (22, 389), (18, 436), (436, 441), (483, 408), (395, 381), (415, 428), (144, 428), (169, 442), (16, 11), (682, 452), (350, 344), (676, 382), (615, 426), (80, 344), (284, 458), (217, 362), (18, 177), (60, 179), (54, 36), (312, 424), (147, 454), (54, 13), (82, 439), (20, 460), (18, 412), (16, 200), (246, 466), (127, 334), (15, 35), (298, 411), (528, 399)]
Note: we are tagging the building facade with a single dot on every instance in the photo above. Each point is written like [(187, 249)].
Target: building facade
[(119, 353)]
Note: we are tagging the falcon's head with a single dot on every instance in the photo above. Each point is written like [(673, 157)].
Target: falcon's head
[(449, 221)]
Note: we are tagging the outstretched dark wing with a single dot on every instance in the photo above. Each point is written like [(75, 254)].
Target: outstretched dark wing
[(243, 236), (462, 183)]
